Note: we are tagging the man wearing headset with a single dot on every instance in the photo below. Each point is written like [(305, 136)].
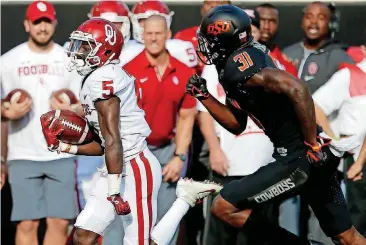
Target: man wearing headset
[(317, 58)]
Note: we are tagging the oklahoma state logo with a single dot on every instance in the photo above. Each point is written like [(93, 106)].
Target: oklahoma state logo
[(218, 27)]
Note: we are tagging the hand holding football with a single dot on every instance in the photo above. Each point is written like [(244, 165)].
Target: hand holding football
[(75, 129)]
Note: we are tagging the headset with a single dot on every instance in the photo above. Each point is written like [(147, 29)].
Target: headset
[(333, 25)]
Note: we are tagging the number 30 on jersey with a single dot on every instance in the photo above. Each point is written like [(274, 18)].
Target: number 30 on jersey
[(244, 60)]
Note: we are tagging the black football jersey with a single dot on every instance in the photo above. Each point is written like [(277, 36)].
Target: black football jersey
[(271, 111)]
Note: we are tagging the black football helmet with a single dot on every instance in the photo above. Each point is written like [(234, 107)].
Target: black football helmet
[(223, 29)]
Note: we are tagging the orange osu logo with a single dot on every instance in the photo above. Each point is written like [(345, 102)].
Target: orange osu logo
[(218, 27)]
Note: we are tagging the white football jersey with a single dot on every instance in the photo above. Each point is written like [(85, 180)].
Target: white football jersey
[(105, 82), (181, 50)]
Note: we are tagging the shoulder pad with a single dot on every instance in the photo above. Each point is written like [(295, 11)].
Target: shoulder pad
[(182, 51), (107, 81), (246, 62), (130, 50)]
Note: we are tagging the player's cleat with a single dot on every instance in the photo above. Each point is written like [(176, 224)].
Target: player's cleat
[(192, 191)]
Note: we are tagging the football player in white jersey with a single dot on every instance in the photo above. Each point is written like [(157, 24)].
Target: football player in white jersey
[(109, 102)]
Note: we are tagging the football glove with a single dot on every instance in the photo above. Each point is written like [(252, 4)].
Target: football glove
[(121, 207), (315, 154), (51, 133), (197, 87)]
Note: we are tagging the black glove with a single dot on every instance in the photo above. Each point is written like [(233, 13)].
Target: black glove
[(315, 154), (197, 87)]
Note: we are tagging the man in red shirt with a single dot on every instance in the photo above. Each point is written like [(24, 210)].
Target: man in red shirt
[(269, 27), (189, 34), (170, 112)]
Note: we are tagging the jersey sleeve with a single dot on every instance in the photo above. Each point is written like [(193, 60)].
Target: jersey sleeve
[(245, 63), (182, 51), (338, 88), (103, 87)]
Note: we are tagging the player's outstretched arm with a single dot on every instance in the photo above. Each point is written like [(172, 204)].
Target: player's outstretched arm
[(229, 119), (108, 117), (279, 81)]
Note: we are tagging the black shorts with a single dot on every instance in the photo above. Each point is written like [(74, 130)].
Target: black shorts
[(289, 176)]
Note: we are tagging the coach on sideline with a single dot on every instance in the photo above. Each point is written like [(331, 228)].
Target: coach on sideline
[(42, 182)]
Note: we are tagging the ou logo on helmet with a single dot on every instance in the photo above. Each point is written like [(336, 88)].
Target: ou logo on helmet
[(218, 27), (110, 34)]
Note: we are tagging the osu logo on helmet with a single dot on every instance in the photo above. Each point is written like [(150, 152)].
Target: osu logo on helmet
[(219, 27)]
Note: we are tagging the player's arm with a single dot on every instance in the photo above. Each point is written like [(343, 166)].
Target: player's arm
[(231, 119), (355, 172), (278, 81), (227, 118), (93, 148), (322, 121), (108, 117)]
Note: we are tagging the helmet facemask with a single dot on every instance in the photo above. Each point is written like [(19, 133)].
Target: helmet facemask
[(211, 50), (82, 53)]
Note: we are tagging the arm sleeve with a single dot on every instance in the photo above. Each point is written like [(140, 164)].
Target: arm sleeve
[(333, 93)]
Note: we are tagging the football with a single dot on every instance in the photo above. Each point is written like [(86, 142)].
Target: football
[(76, 129), (65, 96), (16, 95)]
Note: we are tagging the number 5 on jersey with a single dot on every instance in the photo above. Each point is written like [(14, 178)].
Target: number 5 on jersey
[(244, 60), (108, 90)]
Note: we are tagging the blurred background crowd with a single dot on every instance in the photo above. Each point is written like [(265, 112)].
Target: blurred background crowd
[(321, 43)]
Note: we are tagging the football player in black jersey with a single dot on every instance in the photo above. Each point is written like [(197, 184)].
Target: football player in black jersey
[(282, 106)]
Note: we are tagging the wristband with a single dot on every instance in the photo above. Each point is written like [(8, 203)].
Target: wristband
[(313, 147), (68, 148), (114, 184)]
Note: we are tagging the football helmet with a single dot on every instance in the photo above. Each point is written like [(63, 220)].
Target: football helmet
[(223, 29), (95, 43), (145, 9), (114, 11)]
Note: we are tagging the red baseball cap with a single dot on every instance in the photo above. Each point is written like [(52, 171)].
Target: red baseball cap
[(40, 9)]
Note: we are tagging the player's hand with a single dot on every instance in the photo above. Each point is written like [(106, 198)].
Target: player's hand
[(15, 111), (51, 133), (55, 104), (172, 170), (121, 207), (197, 87), (355, 171), (219, 162), (315, 154)]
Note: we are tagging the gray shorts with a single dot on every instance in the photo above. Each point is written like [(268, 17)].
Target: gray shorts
[(43, 189)]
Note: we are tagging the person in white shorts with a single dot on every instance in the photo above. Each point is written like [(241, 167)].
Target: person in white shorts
[(108, 93)]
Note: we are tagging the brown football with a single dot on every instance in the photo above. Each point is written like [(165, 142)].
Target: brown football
[(65, 96), (17, 95), (76, 129)]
